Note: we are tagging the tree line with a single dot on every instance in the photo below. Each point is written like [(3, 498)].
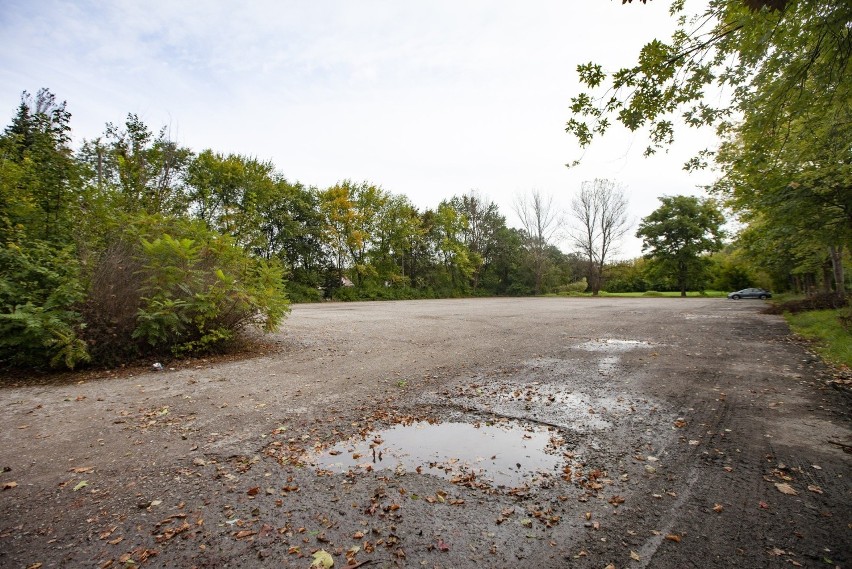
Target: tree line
[(132, 245)]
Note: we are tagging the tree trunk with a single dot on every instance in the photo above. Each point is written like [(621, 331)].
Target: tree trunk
[(836, 253)]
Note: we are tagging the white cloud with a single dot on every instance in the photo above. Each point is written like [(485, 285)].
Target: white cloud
[(429, 99)]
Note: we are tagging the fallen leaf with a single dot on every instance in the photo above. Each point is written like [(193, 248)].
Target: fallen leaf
[(253, 491), (81, 469), (718, 508), (9, 485), (116, 541), (244, 533), (81, 484), (785, 488), (616, 500), (635, 556), (358, 535), (443, 545), (763, 505), (322, 559), (34, 566), (673, 537), (814, 488)]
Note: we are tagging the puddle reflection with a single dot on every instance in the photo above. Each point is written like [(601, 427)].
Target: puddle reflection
[(504, 454)]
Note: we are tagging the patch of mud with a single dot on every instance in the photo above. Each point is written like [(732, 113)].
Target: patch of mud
[(503, 454)]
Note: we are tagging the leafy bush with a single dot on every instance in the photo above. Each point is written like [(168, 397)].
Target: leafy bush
[(818, 301), (152, 293), (39, 288), (298, 292), (576, 287), (197, 294)]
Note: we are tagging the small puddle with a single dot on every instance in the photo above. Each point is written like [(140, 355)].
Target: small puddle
[(612, 345), (497, 454)]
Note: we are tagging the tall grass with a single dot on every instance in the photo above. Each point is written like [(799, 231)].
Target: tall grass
[(831, 340)]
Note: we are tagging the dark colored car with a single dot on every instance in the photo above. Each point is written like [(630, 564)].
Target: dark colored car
[(750, 293)]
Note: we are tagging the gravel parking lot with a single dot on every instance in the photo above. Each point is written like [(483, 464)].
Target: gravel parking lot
[(538, 432)]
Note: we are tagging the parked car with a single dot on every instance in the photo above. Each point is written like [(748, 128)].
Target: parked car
[(750, 293)]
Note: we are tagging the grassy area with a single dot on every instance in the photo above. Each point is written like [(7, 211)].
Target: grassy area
[(648, 294), (831, 340), (653, 293)]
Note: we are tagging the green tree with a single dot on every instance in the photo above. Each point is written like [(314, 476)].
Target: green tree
[(453, 256), (37, 171), (481, 233), (785, 125), (234, 195), (677, 235), (139, 171), (396, 232), (763, 56)]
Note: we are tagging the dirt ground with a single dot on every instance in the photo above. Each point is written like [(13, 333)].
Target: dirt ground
[(548, 432)]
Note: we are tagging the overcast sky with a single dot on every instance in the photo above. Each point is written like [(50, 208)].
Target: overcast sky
[(427, 99)]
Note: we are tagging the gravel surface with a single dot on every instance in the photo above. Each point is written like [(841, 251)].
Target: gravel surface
[(547, 432)]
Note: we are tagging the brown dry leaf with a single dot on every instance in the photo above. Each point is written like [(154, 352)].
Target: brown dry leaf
[(358, 535), (718, 508), (610, 566), (253, 491), (814, 488), (673, 537), (635, 556), (34, 566), (616, 500), (81, 469), (244, 533), (171, 532), (785, 488), (9, 485), (116, 541)]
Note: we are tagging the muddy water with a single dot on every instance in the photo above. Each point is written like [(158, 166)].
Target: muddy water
[(501, 454)]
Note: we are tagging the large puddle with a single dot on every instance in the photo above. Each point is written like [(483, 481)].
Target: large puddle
[(494, 454)]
